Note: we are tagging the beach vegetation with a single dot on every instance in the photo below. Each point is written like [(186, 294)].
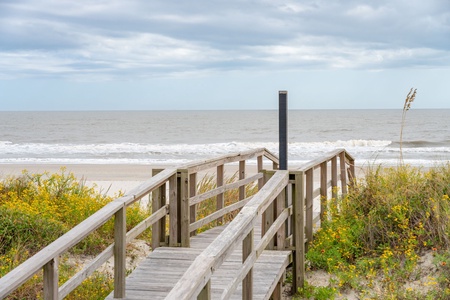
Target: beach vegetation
[(36, 209), (375, 239), (209, 206), (406, 107)]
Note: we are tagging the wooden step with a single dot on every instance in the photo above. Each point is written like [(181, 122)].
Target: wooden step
[(267, 272), (160, 271), (156, 275)]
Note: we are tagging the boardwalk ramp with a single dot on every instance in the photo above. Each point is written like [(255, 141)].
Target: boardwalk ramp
[(155, 277), (244, 259)]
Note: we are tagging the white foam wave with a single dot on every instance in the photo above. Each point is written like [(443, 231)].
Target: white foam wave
[(69, 161), (118, 153), (158, 149)]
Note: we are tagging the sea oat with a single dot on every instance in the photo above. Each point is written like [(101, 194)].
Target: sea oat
[(408, 101)]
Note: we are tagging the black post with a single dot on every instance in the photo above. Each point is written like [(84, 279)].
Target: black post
[(282, 118)]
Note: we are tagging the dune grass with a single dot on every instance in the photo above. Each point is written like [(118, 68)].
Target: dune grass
[(35, 209), (208, 206), (373, 238), (406, 107)]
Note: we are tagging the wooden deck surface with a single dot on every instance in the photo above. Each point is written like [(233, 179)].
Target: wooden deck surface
[(158, 273)]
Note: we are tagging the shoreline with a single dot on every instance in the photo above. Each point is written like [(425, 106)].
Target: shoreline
[(112, 178), (107, 178)]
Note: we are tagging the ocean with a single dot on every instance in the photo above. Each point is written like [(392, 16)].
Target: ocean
[(176, 137)]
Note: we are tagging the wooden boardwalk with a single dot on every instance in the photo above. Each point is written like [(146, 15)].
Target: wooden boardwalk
[(244, 260), (155, 277)]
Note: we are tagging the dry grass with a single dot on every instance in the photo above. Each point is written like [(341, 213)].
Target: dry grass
[(209, 206), (406, 106)]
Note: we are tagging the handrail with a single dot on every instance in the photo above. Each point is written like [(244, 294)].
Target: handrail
[(214, 192), (188, 172), (27, 269), (47, 258), (200, 271), (345, 173), (325, 158), (195, 283), (202, 165)]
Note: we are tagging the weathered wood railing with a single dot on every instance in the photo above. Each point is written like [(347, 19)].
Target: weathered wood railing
[(47, 259), (177, 209), (190, 199), (327, 164), (196, 281), (281, 203)]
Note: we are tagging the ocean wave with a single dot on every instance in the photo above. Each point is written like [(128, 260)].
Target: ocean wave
[(177, 148), (179, 153), (177, 162), (422, 144), (99, 161)]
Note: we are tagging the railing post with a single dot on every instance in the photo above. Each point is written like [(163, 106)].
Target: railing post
[(242, 176), (334, 178), (351, 171), (51, 280), (268, 215), (278, 209), (298, 229), (247, 283), (192, 193), (205, 293), (219, 198), (184, 215), (343, 173), (173, 211), (352, 168), (120, 252), (323, 190), (158, 201), (259, 164), (289, 202), (274, 165), (309, 204)]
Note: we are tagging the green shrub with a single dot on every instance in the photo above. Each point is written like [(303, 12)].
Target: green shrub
[(36, 209), (23, 228), (382, 225), (316, 292)]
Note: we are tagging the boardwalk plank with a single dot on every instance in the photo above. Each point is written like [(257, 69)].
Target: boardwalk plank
[(158, 273)]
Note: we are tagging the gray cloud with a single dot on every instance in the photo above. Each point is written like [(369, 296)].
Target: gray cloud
[(144, 39)]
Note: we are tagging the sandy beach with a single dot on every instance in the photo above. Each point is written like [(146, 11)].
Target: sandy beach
[(113, 178), (108, 178)]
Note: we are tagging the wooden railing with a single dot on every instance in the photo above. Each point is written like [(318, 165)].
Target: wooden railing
[(281, 203), (180, 209), (47, 259), (327, 165), (184, 213), (197, 279)]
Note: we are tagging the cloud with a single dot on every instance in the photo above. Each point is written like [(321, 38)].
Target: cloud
[(105, 40), (367, 12)]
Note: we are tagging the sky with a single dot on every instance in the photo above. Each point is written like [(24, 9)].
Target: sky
[(235, 54)]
